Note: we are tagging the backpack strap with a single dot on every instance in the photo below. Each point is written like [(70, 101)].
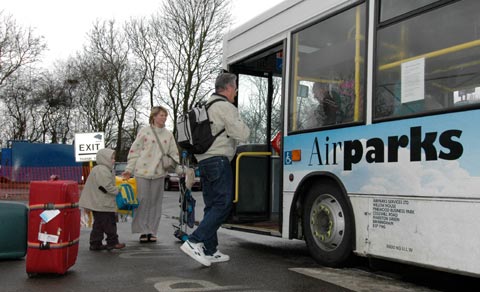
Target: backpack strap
[(208, 105)]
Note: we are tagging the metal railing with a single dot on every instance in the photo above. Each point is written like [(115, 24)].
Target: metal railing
[(15, 181)]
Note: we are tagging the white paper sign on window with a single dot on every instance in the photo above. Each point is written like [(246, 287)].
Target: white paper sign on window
[(413, 80)]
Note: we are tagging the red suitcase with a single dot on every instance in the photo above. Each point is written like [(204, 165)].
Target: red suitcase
[(53, 240)]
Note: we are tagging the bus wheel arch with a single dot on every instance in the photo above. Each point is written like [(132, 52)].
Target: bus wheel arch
[(326, 217)]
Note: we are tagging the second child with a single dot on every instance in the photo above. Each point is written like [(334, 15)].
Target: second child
[(98, 195)]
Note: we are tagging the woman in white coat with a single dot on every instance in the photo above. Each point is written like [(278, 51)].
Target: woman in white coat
[(145, 163)]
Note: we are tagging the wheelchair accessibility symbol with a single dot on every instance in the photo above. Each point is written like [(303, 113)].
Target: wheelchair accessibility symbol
[(288, 157)]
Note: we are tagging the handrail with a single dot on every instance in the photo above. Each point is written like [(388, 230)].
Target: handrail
[(237, 168), (358, 38), (433, 54)]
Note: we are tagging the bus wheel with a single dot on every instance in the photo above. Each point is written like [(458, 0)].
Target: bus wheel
[(328, 225)]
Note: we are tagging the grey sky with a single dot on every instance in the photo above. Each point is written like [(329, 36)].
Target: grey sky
[(65, 23)]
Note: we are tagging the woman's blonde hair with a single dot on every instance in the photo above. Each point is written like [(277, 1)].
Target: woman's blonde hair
[(155, 110)]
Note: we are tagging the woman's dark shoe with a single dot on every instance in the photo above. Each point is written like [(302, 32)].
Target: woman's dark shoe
[(151, 238), (143, 238), (116, 246)]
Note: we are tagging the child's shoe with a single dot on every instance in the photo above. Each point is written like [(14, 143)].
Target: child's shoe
[(98, 248), (116, 246)]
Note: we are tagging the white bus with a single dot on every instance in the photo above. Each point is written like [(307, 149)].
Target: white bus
[(378, 107)]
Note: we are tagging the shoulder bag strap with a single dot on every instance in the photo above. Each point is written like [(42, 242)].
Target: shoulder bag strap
[(158, 140), (160, 145)]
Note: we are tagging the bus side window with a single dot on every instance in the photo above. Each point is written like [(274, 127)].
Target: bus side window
[(409, 51), (345, 102), (303, 105), (323, 104)]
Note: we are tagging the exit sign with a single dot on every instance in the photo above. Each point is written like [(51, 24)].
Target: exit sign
[(87, 146)]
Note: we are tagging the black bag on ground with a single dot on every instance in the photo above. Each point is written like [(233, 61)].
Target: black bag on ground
[(193, 129)]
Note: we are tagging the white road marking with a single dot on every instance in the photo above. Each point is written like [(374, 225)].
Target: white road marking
[(175, 284), (148, 253), (360, 281)]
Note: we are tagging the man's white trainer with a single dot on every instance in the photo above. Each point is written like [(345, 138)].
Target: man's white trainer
[(195, 251), (218, 257)]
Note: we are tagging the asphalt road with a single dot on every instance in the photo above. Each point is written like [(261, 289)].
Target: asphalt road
[(258, 263), (161, 266)]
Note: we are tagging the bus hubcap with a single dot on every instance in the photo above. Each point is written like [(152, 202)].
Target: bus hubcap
[(327, 222)]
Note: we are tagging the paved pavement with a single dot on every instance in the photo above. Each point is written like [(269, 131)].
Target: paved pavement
[(259, 263), (135, 268)]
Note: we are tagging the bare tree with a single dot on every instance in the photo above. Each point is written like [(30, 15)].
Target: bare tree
[(146, 47), (95, 107), (121, 77), (20, 117), (18, 46), (254, 107), (191, 36), (54, 94)]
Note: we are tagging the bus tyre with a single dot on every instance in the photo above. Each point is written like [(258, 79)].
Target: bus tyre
[(328, 225)]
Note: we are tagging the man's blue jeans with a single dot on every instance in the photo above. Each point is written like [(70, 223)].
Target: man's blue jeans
[(217, 185)]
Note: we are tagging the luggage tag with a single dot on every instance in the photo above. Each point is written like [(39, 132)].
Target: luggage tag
[(45, 237), (46, 216)]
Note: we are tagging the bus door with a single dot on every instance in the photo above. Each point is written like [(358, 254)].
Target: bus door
[(256, 166)]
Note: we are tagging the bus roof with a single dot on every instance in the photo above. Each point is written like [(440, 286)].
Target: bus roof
[(272, 26)]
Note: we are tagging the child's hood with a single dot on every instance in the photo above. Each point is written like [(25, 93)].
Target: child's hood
[(104, 157)]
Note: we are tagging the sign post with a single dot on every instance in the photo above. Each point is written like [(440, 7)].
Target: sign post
[(87, 146)]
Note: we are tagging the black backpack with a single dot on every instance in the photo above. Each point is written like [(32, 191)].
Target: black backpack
[(193, 129)]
